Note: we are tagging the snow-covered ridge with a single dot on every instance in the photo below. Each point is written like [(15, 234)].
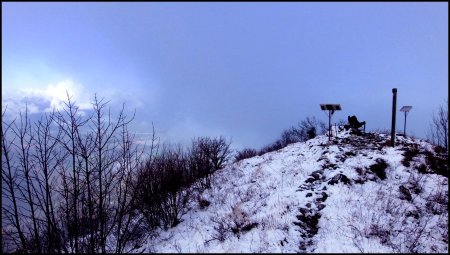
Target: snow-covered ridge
[(352, 194)]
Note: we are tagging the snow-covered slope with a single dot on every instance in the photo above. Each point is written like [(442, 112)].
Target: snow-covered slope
[(321, 196)]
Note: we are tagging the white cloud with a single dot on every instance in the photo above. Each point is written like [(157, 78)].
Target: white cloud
[(45, 99), (57, 94)]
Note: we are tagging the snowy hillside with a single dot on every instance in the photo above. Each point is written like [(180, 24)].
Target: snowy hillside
[(353, 194)]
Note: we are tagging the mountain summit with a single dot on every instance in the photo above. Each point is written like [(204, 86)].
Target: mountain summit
[(350, 194)]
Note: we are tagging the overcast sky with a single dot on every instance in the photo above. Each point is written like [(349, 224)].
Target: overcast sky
[(243, 70)]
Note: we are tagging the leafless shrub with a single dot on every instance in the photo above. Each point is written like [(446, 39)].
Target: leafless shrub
[(222, 229), (235, 222), (239, 219), (415, 182), (437, 201)]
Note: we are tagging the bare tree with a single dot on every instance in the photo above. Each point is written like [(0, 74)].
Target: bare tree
[(10, 208), (127, 225), (23, 148), (106, 141), (67, 181), (47, 155), (72, 181), (70, 121), (85, 143), (438, 130)]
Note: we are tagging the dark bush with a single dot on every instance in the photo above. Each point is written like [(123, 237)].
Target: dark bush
[(437, 163), (350, 153), (380, 232), (437, 203), (359, 170), (422, 168), (162, 188), (203, 203), (245, 153), (148, 194), (379, 168), (289, 136), (249, 226), (439, 149), (218, 150), (200, 166), (408, 155), (305, 130), (271, 147), (206, 156), (164, 183)]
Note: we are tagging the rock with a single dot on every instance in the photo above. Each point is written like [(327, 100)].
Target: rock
[(316, 174), (304, 210), (339, 178), (320, 207), (404, 193), (322, 198), (310, 179), (308, 194), (413, 213)]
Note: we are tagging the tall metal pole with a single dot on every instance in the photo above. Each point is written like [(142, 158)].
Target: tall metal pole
[(329, 125), (404, 126), (394, 107)]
